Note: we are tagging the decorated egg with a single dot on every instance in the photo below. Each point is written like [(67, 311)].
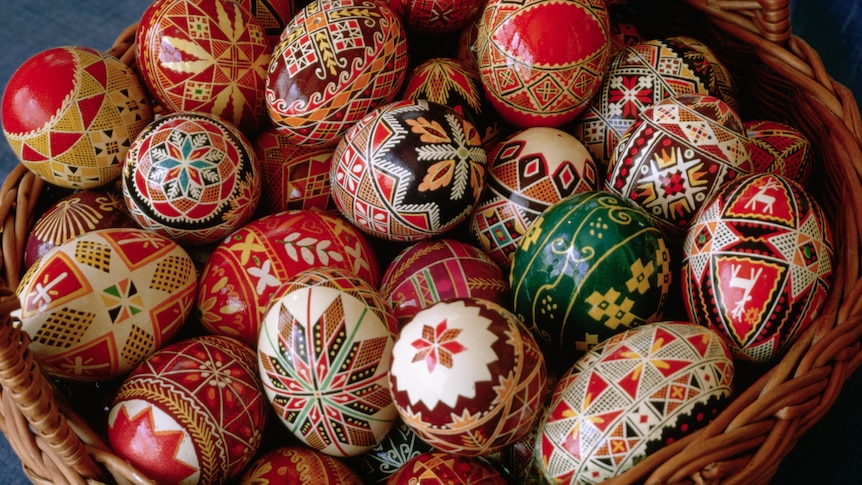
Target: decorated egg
[(99, 304), (272, 15), (244, 270), (455, 83), (206, 56), (193, 413), (323, 357), (70, 114), (336, 61), (530, 171), (639, 76), (191, 177), (630, 396), (465, 49), (757, 264), (591, 266), (442, 468), (342, 280), (409, 170), (542, 61), (77, 213), (781, 149), (678, 153), (430, 271), (435, 18), (467, 376), (299, 465), (294, 177), (399, 445)]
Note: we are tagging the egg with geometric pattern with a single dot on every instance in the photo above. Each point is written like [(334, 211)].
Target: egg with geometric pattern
[(70, 113), (630, 396), (467, 376), (299, 465), (191, 414), (442, 468), (758, 265), (780, 148), (593, 265), (530, 170), (191, 177), (99, 304)]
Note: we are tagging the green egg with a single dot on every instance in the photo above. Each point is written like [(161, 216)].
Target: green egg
[(593, 265)]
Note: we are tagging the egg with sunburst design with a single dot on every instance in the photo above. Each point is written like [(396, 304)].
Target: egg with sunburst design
[(408, 171), (324, 357), (191, 177)]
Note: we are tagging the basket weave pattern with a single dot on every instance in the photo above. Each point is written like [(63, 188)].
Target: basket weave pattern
[(785, 81)]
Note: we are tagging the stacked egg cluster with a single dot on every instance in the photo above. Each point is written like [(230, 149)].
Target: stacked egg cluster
[(355, 240)]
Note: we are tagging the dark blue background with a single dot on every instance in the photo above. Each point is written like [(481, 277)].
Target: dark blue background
[(827, 455)]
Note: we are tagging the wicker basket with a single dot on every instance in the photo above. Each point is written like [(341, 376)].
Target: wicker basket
[(785, 80)]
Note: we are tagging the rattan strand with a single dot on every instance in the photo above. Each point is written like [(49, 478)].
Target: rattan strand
[(743, 445)]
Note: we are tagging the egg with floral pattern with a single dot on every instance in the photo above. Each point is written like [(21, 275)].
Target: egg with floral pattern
[(193, 413), (467, 376)]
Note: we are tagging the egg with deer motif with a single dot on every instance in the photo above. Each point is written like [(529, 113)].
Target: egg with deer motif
[(245, 269), (99, 304), (758, 265)]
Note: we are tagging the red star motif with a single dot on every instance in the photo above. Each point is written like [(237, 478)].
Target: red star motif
[(437, 345)]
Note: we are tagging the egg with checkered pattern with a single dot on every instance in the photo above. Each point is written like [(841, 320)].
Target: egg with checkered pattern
[(591, 266)]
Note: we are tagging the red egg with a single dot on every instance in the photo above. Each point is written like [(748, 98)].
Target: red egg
[(467, 376), (297, 465), (436, 17), (73, 215), (273, 15), (208, 56), (441, 468), (542, 61), (191, 177), (294, 177), (781, 149), (70, 114), (428, 272), (337, 60), (245, 269), (193, 413)]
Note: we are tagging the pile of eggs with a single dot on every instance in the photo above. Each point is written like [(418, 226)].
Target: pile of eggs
[(299, 244)]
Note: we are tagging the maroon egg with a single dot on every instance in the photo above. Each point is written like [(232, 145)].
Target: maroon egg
[(431, 271), (441, 468), (294, 177), (73, 215), (409, 170), (781, 149), (337, 60), (299, 465), (436, 17), (208, 56)]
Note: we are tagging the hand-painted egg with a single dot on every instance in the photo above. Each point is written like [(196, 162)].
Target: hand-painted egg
[(245, 269), (73, 215), (192, 178), (781, 149), (294, 177), (193, 413), (455, 83), (206, 56), (324, 359), (542, 61), (399, 445), (337, 60), (435, 18), (70, 114), (408, 171), (678, 153), (757, 264), (639, 76), (467, 376), (442, 468), (623, 34), (629, 397), (97, 305), (530, 171), (272, 15), (299, 465), (465, 50), (591, 266), (431, 271)]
